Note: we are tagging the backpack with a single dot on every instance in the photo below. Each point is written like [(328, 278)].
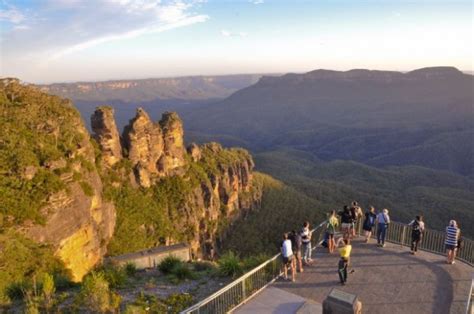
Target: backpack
[(330, 226), (416, 227)]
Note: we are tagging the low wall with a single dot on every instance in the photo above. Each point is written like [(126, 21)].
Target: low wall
[(152, 257)]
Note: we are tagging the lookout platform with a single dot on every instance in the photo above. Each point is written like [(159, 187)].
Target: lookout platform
[(386, 280)]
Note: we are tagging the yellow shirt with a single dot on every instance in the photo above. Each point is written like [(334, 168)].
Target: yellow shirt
[(345, 251)]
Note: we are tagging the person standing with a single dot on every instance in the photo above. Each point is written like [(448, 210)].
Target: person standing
[(369, 223), (383, 220), (306, 241), (346, 222), (356, 213), (287, 257), (417, 229), (345, 254), (451, 241), (331, 230), (296, 246)]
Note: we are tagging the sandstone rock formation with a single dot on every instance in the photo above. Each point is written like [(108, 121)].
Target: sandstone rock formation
[(143, 140), (79, 222), (106, 135), (222, 195), (173, 136)]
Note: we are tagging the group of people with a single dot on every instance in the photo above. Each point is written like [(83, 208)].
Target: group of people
[(296, 246), (296, 250)]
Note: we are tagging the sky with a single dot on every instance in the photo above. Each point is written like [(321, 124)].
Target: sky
[(45, 41)]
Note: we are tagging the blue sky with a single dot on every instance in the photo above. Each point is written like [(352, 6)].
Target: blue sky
[(46, 41)]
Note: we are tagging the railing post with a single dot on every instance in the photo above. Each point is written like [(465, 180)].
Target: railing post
[(243, 290), (403, 236)]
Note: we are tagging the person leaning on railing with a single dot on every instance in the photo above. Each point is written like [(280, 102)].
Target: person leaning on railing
[(417, 229)]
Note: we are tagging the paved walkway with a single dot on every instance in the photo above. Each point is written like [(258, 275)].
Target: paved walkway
[(387, 280)]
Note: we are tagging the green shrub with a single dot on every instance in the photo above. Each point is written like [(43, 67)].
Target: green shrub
[(203, 266), (230, 265), (178, 302), (168, 264), (145, 303), (16, 291), (182, 271), (116, 276), (95, 294), (48, 290), (254, 261), (130, 269)]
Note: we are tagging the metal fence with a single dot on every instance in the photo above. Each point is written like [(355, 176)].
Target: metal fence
[(243, 288), (432, 241)]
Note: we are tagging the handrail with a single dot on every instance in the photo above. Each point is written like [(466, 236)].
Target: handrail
[(246, 286), (432, 241)]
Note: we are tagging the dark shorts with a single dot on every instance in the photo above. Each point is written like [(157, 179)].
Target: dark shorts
[(368, 228), (450, 247), (287, 260)]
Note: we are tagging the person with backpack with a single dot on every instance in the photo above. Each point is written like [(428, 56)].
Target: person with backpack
[(306, 241), (451, 241), (331, 226), (287, 257), (369, 223), (417, 229), (383, 220), (296, 246), (346, 222)]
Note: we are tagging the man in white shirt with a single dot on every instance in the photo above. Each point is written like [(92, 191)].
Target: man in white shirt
[(287, 257)]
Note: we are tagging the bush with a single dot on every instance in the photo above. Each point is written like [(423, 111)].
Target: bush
[(16, 290), (254, 261), (130, 269), (182, 271), (203, 266), (229, 265), (168, 264), (115, 276), (48, 290), (95, 294), (178, 302), (145, 303)]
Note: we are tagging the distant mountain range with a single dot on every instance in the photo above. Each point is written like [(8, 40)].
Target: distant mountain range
[(145, 90), (423, 117)]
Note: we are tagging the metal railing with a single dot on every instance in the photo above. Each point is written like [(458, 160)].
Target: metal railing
[(248, 285), (432, 241), (242, 289)]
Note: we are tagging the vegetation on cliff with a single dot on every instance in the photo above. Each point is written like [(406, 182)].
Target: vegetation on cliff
[(164, 212), (36, 133)]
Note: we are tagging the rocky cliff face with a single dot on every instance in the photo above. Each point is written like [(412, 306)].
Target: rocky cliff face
[(214, 185), (45, 146)]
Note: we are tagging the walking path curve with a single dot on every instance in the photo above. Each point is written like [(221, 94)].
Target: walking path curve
[(387, 280)]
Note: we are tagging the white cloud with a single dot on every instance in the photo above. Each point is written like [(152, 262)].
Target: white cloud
[(62, 27), (256, 1), (227, 33), (11, 15)]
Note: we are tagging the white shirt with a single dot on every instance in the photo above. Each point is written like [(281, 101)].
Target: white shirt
[(286, 250)]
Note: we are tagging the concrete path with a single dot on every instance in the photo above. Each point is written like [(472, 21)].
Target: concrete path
[(272, 301), (387, 280)]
